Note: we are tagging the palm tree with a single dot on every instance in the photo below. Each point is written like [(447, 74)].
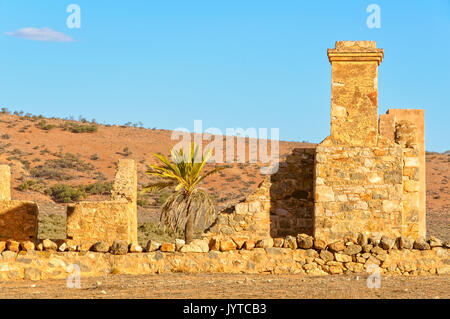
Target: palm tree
[(189, 204)]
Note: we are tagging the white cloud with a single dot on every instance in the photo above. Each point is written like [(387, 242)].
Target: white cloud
[(40, 34)]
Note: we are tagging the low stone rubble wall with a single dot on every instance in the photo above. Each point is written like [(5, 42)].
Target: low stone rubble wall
[(301, 255)]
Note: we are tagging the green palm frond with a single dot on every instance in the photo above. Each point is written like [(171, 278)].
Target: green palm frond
[(185, 172)]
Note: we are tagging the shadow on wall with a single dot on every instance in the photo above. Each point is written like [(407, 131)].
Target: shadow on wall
[(18, 220), (292, 196)]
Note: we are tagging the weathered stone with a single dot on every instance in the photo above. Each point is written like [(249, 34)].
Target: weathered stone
[(435, 242), (119, 247), (290, 242), (196, 246), (305, 241), (239, 242), (32, 274), (387, 243), (227, 244), (336, 246), (378, 250), (326, 255), (167, 247), (214, 244), (135, 248), (12, 245), (367, 248), (278, 242), (48, 245), (249, 245), (101, 247), (405, 243), (40, 247), (319, 244), (352, 249), (27, 246), (264, 243), (421, 244), (62, 247), (362, 239), (342, 258), (179, 243), (152, 246)]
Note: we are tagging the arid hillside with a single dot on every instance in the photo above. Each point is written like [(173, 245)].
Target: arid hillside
[(56, 161)]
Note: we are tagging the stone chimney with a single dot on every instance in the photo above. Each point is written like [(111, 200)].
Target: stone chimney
[(354, 92)]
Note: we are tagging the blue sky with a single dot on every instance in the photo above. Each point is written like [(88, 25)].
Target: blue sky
[(229, 63)]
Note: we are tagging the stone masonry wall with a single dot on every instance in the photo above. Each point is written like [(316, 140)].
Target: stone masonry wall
[(282, 205), (358, 189), (18, 219), (91, 222)]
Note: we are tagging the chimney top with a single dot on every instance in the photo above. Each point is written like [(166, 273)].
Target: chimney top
[(355, 51)]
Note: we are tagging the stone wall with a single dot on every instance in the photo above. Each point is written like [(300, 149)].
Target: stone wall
[(358, 189), (391, 256), (18, 219), (292, 194), (90, 222), (282, 205)]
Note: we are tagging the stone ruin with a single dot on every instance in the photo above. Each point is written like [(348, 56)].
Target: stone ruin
[(87, 222), (355, 200), (367, 177)]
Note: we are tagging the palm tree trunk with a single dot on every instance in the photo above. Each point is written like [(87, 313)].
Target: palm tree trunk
[(189, 228)]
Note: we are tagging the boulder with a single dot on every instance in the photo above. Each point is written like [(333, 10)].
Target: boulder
[(196, 246), (421, 244), (152, 246), (290, 242), (387, 243), (119, 247), (135, 248), (227, 244), (278, 242), (305, 241), (362, 239), (167, 247), (336, 246), (13, 245), (62, 247), (319, 244), (325, 255), (100, 247), (249, 244), (435, 242), (179, 243), (48, 245), (352, 249), (265, 243), (405, 242), (27, 246)]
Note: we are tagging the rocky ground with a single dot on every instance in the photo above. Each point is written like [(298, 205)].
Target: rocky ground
[(223, 286)]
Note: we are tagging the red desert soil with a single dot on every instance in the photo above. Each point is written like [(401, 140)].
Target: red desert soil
[(224, 286), (23, 145)]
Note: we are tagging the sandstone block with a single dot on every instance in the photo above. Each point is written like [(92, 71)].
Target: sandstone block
[(214, 244), (27, 246), (32, 274), (362, 239), (324, 194), (167, 247), (319, 244), (421, 244), (325, 255), (249, 245), (387, 243), (101, 247), (135, 248), (290, 242), (227, 244), (342, 258), (405, 243), (435, 242), (179, 243), (62, 247), (265, 243), (12, 245), (352, 249), (119, 247), (305, 241), (152, 246), (49, 245), (336, 246), (278, 242)]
